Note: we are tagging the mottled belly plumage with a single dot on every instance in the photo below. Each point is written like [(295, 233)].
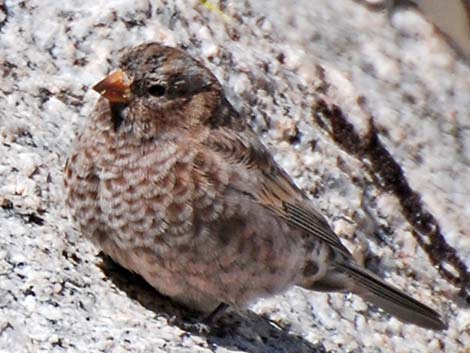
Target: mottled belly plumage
[(181, 227)]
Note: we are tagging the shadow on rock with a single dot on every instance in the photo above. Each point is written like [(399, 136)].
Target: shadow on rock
[(240, 331)]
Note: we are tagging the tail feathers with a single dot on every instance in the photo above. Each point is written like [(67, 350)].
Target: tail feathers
[(373, 289)]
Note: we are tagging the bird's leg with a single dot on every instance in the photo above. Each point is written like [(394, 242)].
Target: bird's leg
[(204, 325), (216, 314)]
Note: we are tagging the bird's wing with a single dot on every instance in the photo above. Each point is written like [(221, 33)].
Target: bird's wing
[(274, 189)]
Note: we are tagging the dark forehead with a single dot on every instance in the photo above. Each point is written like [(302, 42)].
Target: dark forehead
[(152, 56)]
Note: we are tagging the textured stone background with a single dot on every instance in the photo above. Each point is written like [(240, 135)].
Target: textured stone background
[(369, 113)]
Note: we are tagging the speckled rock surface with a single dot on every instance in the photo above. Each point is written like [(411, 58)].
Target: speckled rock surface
[(369, 114)]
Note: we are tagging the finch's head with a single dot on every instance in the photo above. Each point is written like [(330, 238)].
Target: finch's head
[(158, 87)]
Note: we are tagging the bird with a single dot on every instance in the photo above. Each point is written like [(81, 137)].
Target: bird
[(172, 183)]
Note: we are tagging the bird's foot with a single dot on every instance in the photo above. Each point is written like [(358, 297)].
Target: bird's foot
[(203, 326)]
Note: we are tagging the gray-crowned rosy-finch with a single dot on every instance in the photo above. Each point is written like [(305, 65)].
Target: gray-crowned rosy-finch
[(170, 182)]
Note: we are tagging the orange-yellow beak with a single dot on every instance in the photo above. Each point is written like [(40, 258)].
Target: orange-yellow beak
[(115, 87)]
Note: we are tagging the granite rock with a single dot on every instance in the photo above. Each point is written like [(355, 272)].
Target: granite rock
[(369, 114)]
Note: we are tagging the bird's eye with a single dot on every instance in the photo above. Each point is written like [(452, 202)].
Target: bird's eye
[(156, 90)]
